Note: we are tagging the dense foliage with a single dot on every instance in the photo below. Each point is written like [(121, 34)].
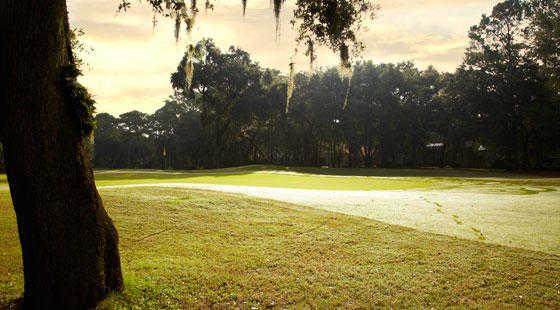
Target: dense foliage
[(2, 168), (499, 109)]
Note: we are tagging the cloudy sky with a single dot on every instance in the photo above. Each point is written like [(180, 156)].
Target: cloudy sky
[(131, 61)]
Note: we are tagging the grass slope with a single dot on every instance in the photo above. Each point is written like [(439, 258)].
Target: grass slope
[(185, 249)]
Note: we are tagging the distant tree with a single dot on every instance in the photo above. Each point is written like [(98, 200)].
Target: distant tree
[(544, 35), (191, 142), (107, 142), (509, 80), (164, 124), (223, 91)]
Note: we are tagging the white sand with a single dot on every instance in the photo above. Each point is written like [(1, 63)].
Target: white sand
[(526, 221)]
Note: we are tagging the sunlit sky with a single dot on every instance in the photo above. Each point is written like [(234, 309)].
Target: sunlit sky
[(131, 61)]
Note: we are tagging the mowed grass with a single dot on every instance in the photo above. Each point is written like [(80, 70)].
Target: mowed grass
[(342, 178), (265, 179), (196, 249), (339, 178)]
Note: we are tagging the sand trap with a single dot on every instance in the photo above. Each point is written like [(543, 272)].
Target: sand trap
[(526, 221)]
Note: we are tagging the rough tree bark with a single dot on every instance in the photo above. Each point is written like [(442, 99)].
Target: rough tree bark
[(69, 244)]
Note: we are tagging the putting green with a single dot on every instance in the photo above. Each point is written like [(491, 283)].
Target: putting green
[(339, 179)]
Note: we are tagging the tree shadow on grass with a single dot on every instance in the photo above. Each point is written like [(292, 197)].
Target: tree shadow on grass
[(14, 304)]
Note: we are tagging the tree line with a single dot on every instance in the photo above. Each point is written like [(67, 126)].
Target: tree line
[(499, 109)]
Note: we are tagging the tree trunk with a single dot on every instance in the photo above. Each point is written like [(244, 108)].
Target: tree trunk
[(69, 244)]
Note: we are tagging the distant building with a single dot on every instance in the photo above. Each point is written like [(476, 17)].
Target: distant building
[(435, 145), (434, 154)]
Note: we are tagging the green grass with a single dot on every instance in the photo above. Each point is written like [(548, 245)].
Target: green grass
[(269, 180), (195, 249), (342, 179)]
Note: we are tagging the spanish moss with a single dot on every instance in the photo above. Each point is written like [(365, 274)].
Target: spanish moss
[(177, 27), (277, 9), (310, 52), (189, 66), (154, 21), (194, 11), (189, 21), (348, 87), (345, 70), (344, 56), (208, 5), (291, 86)]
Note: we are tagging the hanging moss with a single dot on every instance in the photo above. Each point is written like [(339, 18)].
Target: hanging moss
[(154, 21), (345, 67), (348, 87), (189, 21), (244, 4), (194, 52), (291, 85), (190, 18), (177, 27), (345, 71), (189, 66), (310, 52), (78, 99), (277, 9)]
